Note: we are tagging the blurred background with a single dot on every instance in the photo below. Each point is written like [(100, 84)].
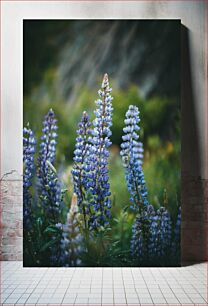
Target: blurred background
[(64, 62)]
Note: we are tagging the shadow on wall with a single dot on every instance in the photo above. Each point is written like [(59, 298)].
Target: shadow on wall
[(194, 188)]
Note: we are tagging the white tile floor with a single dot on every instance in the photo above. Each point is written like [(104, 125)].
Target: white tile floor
[(103, 286)]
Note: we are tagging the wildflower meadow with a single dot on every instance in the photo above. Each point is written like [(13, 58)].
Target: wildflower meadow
[(77, 214)]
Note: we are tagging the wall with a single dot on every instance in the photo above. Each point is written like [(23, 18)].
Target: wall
[(11, 217), (193, 106)]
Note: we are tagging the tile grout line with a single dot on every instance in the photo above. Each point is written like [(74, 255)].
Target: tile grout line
[(169, 288), (126, 277), (158, 284), (146, 286), (135, 286), (36, 285), (123, 284), (69, 285), (186, 293)]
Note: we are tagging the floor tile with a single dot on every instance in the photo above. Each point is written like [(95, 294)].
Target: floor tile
[(81, 302), (107, 299), (119, 286), (68, 300)]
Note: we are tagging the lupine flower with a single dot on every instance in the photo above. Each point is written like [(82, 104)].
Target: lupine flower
[(160, 233), (79, 167), (177, 231), (28, 159), (165, 229), (96, 167), (48, 185), (141, 235), (176, 244), (151, 235), (48, 144), (71, 242), (132, 156)]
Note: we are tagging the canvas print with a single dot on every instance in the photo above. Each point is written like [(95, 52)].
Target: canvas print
[(101, 143)]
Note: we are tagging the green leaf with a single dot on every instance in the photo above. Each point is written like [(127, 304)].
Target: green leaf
[(98, 213), (85, 203), (48, 244), (39, 225), (50, 166), (51, 229), (126, 208), (101, 229), (114, 200), (115, 243), (108, 229)]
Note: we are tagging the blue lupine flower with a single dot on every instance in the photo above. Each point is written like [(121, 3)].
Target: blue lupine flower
[(132, 156), (166, 230), (79, 167), (29, 167), (141, 235), (96, 167), (151, 232), (176, 244), (71, 242), (160, 234), (151, 235), (49, 187), (48, 144), (177, 230)]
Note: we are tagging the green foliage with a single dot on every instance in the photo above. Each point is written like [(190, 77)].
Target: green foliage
[(160, 116), (162, 174), (160, 130), (120, 195), (113, 248)]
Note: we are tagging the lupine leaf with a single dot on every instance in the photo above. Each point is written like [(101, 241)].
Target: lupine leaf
[(51, 166), (48, 244)]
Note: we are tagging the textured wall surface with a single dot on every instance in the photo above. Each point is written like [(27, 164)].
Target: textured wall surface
[(11, 217), (194, 220), (193, 106)]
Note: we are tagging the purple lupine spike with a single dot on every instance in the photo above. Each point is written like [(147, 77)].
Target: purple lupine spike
[(140, 240), (97, 159), (132, 156), (137, 240), (176, 243), (28, 173), (165, 230), (71, 242), (79, 167), (49, 136), (151, 235), (177, 230), (160, 234), (49, 187)]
